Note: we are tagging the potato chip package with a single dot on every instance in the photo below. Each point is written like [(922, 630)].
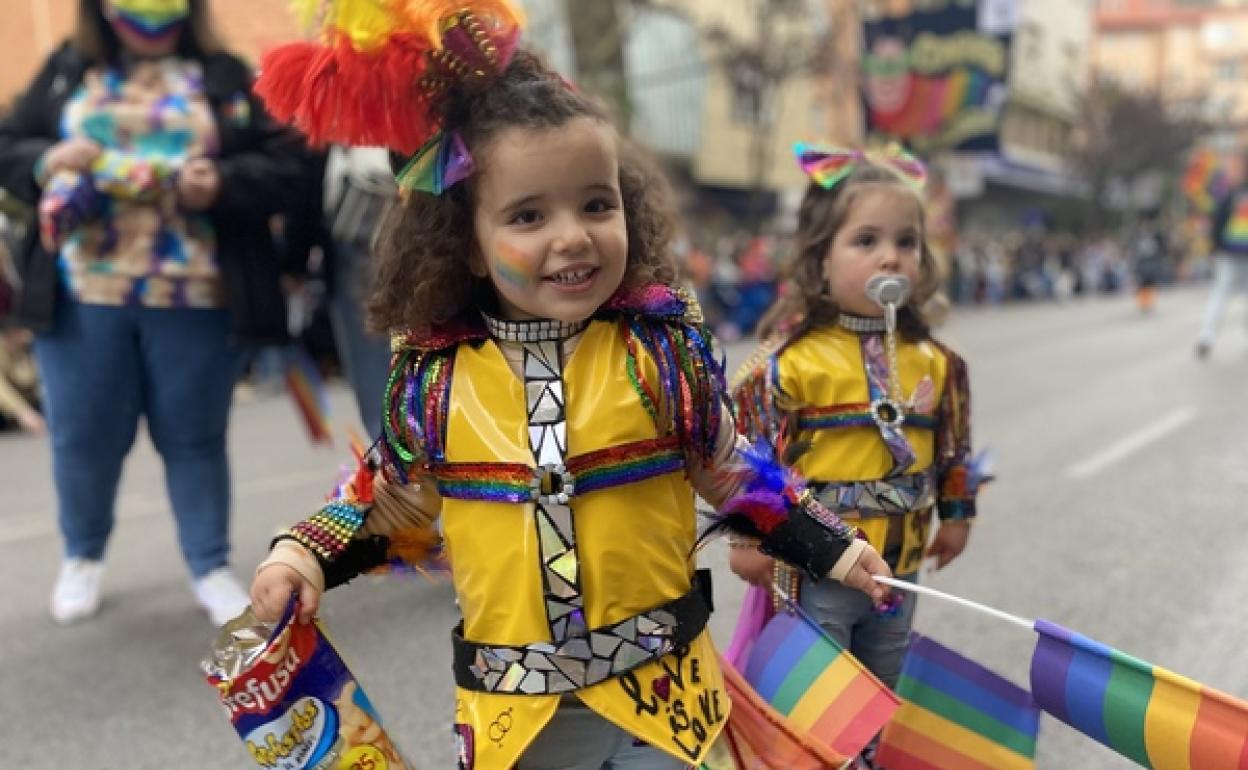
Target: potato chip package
[(292, 700)]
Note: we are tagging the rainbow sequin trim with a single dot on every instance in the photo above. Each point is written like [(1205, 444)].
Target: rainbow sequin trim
[(590, 472), (853, 416)]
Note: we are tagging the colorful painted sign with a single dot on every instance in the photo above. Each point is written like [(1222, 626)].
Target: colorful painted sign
[(934, 81)]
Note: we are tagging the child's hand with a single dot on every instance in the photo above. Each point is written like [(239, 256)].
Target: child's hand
[(751, 565), (950, 540), (859, 576), (272, 589)]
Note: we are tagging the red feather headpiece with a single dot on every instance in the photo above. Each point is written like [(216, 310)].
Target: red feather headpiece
[(380, 68)]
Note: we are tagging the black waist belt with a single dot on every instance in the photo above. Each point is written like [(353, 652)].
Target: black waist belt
[(542, 668)]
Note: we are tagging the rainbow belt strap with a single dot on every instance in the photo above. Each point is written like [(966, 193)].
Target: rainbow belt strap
[(590, 472)]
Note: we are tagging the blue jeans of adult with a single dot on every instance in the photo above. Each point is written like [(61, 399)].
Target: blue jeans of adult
[(103, 367), (365, 356), (846, 614)]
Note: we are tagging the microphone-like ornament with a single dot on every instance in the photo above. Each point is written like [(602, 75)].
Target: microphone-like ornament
[(890, 292)]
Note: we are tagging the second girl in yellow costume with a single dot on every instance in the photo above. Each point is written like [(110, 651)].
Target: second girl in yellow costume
[(878, 422)]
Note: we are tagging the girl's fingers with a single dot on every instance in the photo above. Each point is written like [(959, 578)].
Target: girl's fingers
[(309, 603)]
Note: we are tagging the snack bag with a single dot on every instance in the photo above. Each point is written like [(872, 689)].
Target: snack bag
[(293, 701)]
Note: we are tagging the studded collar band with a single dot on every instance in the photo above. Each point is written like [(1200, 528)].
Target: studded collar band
[(541, 330), (861, 324)]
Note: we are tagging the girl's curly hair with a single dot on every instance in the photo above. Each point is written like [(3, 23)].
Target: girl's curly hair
[(422, 276), (820, 217)]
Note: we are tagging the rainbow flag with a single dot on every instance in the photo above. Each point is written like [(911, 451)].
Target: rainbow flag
[(756, 737), (307, 390), (1148, 714), (807, 677), (957, 715)]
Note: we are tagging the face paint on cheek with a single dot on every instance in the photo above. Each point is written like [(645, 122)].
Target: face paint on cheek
[(513, 265)]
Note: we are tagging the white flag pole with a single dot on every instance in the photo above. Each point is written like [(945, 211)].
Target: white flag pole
[(920, 589)]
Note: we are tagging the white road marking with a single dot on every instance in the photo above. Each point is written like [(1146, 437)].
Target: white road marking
[(1132, 443)]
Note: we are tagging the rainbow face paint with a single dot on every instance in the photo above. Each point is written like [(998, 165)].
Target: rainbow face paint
[(513, 265), (150, 19)]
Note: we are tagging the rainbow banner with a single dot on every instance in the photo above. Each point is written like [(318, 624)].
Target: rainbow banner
[(933, 78), (957, 715), (1148, 714), (307, 390), (819, 687)]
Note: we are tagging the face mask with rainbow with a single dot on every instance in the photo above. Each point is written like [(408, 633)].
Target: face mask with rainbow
[(151, 19)]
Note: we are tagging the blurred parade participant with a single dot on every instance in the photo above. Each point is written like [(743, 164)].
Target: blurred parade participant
[(155, 173), (860, 398), (548, 377), (1230, 263), (1148, 261)]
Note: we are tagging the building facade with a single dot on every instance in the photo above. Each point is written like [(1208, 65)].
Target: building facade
[(1191, 52)]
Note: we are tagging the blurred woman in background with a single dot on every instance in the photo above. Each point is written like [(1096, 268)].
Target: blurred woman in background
[(156, 173)]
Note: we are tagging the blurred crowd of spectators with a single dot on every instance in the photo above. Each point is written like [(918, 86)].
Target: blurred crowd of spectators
[(735, 276)]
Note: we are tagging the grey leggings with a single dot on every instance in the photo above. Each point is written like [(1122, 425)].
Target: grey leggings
[(578, 739)]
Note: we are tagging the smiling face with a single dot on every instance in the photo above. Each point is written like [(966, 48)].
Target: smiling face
[(549, 220), (882, 233)]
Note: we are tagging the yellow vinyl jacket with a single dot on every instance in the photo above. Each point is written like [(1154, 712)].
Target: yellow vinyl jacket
[(565, 473), (873, 446)]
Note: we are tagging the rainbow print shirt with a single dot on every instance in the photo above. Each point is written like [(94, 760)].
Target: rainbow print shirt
[(137, 247)]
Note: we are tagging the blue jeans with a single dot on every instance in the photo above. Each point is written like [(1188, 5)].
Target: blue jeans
[(847, 615), (103, 367), (365, 357)]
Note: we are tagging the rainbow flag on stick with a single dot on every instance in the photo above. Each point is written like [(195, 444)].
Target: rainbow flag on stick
[(757, 737), (807, 677), (1159, 719), (307, 390), (957, 715)]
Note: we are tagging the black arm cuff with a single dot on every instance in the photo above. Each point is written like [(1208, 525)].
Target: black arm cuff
[(359, 557), (804, 543)]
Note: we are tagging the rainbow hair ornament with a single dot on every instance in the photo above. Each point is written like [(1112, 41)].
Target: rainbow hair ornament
[(443, 161), (828, 165), (379, 70)]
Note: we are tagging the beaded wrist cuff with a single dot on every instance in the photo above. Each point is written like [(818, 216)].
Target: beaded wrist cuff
[(826, 518), (328, 532)]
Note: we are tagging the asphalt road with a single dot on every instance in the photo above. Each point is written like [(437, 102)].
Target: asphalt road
[(1122, 463)]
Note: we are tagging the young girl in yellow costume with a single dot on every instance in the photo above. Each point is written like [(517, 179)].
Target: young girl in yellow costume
[(877, 420), (553, 400)]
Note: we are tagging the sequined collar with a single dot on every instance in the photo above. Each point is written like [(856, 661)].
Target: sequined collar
[(860, 324), (540, 330)]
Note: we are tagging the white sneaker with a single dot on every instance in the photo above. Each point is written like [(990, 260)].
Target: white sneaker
[(220, 593), (76, 595)]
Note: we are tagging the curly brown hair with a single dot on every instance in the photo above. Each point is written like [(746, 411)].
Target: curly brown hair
[(820, 217), (422, 276)]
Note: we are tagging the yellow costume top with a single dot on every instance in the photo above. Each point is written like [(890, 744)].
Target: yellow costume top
[(565, 487), (873, 442)]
